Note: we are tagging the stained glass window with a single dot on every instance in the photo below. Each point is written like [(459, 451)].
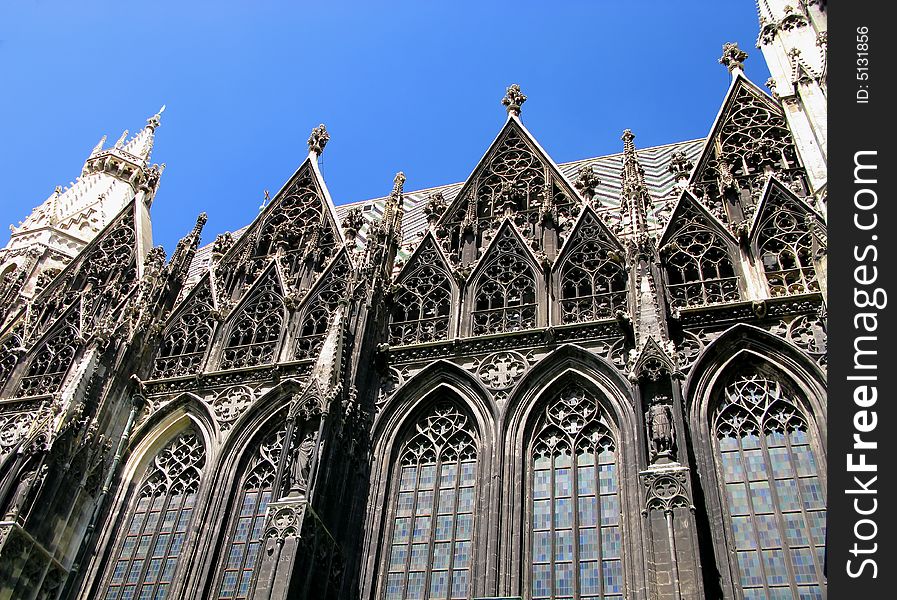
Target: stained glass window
[(241, 552), (158, 523), (429, 551), (770, 479), (576, 543)]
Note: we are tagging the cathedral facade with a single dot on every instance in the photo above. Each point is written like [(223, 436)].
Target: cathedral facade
[(598, 379)]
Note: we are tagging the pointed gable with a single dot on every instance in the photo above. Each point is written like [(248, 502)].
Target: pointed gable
[(320, 303), (299, 225), (51, 356), (256, 324), (514, 176), (422, 297), (590, 272), (749, 136), (188, 335)]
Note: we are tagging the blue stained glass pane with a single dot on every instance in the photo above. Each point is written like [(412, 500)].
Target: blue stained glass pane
[(817, 526), (563, 579), (749, 568), (444, 525), (776, 570), (427, 477), (464, 527), (728, 443), (462, 555), (780, 593), (235, 558), (563, 459), (228, 584), (750, 440), (562, 483), (588, 544), (446, 501), (607, 477), (563, 545), (743, 531), (119, 572), (804, 569), (610, 510), (542, 462), (768, 531), (439, 584), (738, 502), (812, 493), (585, 459), (775, 438), (442, 553), (806, 462), (732, 469), (448, 475), (468, 473), (755, 594), (781, 465), (799, 436), (421, 532), (796, 529), (811, 592), (542, 514), (248, 507), (394, 586), (459, 583), (402, 531), (409, 477), (404, 504), (589, 577), (415, 589), (424, 503), (761, 497), (541, 581), (787, 492), (541, 484), (755, 465), (612, 571), (563, 513), (607, 456), (541, 546), (465, 500), (610, 542), (588, 511), (820, 556), (419, 556), (585, 481)]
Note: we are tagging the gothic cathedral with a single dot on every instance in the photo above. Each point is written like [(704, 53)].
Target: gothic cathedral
[(599, 379)]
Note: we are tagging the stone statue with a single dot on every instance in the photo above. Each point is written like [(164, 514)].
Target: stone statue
[(27, 480), (659, 422), (301, 463)]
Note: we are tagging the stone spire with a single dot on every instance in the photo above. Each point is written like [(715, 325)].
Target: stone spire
[(733, 58), (513, 100), (635, 200), (317, 140), (141, 145)]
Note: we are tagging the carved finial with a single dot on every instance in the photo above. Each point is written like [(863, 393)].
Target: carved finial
[(318, 139), (434, 207), (99, 146), (121, 140), (733, 57), (155, 120), (628, 137), (513, 100), (398, 183), (587, 182), (680, 167)]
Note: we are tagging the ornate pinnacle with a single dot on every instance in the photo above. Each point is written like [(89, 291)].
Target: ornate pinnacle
[(513, 100), (397, 184), (155, 120), (680, 166), (318, 139), (587, 182), (733, 57)]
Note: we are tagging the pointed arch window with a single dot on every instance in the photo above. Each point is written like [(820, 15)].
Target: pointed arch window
[(187, 340), (429, 548), (422, 305), (318, 311), (593, 281), (772, 491), (505, 298), (699, 269), (51, 361), (8, 356), (255, 334), (158, 523), (785, 246), (241, 553), (575, 534)]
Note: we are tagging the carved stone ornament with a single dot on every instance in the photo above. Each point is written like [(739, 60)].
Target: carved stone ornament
[(513, 100), (733, 57), (660, 429), (318, 139), (231, 403), (666, 489), (501, 370), (284, 519)]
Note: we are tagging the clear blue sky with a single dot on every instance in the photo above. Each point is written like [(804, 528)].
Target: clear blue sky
[(411, 86)]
